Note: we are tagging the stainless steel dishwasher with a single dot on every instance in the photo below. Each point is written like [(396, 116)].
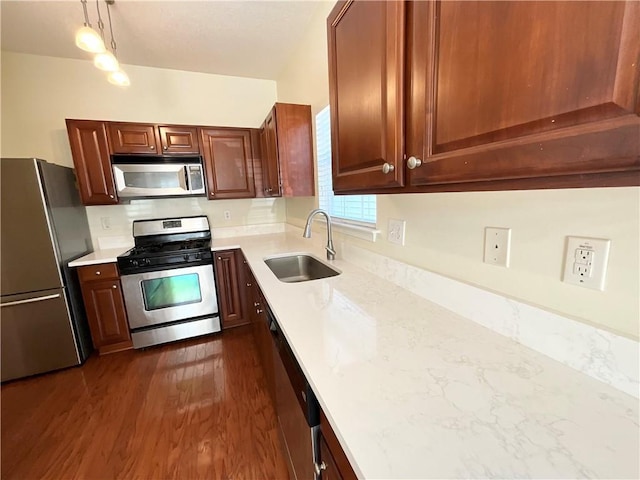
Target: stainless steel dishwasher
[(297, 408)]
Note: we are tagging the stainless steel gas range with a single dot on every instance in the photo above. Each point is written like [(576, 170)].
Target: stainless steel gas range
[(168, 281)]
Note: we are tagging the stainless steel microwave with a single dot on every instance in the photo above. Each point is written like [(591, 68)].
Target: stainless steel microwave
[(144, 177)]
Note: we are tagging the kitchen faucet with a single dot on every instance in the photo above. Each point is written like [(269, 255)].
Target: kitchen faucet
[(331, 253)]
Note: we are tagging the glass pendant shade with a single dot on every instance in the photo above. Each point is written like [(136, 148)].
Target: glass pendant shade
[(89, 40), (106, 61), (119, 78)]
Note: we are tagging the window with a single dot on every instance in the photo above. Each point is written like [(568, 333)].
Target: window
[(360, 209)]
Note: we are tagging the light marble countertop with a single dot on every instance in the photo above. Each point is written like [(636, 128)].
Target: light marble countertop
[(99, 256), (414, 390)]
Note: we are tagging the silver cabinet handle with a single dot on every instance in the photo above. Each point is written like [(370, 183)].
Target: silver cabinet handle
[(31, 300), (387, 167), (320, 468), (413, 162)]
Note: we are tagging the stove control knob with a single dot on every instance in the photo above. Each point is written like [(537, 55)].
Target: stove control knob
[(186, 257), (134, 263), (147, 261), (198, 256)]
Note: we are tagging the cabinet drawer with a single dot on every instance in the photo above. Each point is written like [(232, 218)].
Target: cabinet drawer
[(98, 272)]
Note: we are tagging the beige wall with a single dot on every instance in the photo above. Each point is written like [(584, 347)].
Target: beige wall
[(445, 231), (38, 93)]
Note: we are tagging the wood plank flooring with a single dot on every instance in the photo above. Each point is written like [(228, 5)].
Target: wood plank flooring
[(195, 409)]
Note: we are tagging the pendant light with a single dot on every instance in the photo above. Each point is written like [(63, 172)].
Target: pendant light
[(87, 38), (91, 41), (118, 76), (105, 61)]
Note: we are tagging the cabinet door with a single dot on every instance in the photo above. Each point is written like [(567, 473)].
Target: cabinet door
[(366, 61), (228, 162), (270, 164), (179, 140), (228, 283), (107, 316), (294, 149), (328, 465), (90, 152), (515, 90), (133, 138), (336, 464)]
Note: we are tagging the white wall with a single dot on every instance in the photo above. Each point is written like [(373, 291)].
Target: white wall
[(38, 93), (445, 230)]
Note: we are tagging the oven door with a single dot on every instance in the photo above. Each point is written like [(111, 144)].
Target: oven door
[(154, 298), (158, 180)]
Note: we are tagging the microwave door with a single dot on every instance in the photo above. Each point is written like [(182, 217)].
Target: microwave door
[(139, 180)]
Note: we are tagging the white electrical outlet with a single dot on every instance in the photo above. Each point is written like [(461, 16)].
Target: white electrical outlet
[(586, 261), (227, 215), (106, 223), (396, 231), (497, 246)]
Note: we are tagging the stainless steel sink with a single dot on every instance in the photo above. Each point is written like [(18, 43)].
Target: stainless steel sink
[(299, 267)]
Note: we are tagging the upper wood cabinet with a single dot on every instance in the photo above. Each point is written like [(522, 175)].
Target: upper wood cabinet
[(287, 151), (228, 161), (176, 140), (498, 95), (90, 152), (366, 55), (270, 165), (133, 138)]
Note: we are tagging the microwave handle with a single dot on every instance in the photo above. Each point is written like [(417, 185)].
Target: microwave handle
[(187, 179)]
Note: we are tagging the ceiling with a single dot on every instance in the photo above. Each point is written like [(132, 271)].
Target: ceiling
[(241, 38)]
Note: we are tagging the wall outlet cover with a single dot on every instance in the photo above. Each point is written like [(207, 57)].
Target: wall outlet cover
[(396, 231), (497, 246), (586, 262)]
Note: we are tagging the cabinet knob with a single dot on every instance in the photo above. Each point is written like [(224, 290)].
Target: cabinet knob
[(98, 272), (152, 147), (111, 196), (165, 148), (320, 468), (219, 258), (258, 311), (387, 167), (413, 162), (256, 304), (114, 287), (248, 284)]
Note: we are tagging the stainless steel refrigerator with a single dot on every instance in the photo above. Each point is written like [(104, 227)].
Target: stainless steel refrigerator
[(43, 227)]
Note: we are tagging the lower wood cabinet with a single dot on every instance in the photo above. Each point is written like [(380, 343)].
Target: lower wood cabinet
[(104, 304), (333, 461), (231, 295)]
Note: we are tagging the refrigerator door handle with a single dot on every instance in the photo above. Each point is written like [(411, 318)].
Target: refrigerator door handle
[(30, 300)]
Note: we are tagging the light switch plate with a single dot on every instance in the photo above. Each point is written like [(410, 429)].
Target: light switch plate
[(497, 246), (586, 262)]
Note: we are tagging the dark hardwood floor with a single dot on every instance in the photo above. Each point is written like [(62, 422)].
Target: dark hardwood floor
[(194, 409)]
